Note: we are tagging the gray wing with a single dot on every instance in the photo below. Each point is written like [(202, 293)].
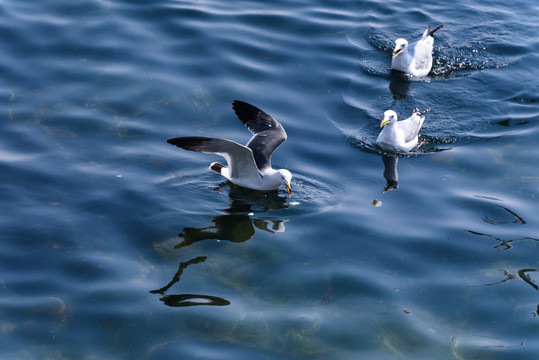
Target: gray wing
[(411, 126), (422, 53), (268, 132), (422, 49), (239, 158)]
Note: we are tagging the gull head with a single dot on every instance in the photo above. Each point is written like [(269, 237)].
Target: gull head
[(400, 46), (286, 177), (389, 117)]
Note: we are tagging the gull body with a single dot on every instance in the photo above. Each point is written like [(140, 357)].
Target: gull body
[(400, 136), (415, 60), (248, 165)]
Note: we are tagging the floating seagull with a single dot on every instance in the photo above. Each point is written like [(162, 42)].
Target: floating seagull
[(400, 135), (250, 165), (418, 60)]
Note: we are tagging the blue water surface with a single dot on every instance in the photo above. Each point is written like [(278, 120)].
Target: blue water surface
[(117, 245)]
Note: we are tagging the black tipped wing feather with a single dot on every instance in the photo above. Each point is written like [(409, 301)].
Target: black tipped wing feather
[(268, 132), (192, 143), (255, 119), (431, 31), (268, 135)]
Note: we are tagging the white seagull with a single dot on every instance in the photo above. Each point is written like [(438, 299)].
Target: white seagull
[(400, 135), (250, 165), (417, 60)]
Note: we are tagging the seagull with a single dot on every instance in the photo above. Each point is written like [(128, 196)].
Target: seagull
[(400, 135), (418, 60), (250, 165)]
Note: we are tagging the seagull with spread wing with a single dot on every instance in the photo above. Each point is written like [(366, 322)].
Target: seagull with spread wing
[(248, 165)]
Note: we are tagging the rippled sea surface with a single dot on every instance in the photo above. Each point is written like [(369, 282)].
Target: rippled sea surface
[(116, 245)]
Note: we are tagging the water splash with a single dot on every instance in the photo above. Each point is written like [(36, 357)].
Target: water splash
[(450, 60)]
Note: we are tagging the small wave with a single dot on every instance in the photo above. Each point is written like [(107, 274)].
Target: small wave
[(451, 62), (317, 192), (426, 146)]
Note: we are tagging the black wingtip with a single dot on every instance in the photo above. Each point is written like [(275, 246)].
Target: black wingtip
[(431, 31), (238, 104), (188, 143), (245, 111), (241, 107)]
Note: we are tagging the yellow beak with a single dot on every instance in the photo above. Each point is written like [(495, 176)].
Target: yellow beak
[(396, 52), (384, 122), (288, 190)]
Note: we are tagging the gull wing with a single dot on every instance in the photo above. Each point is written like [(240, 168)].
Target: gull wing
[(240, 160), (411, 126), (268, 132)]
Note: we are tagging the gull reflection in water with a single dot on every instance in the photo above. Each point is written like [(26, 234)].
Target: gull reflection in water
[(399, 85), (390, 172), (236, 224)]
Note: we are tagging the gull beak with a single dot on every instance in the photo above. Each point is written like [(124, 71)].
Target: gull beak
[(384, 122), (396, 52), (288, 190)]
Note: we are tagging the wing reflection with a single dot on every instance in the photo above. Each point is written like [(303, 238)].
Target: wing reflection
[(183, 300), (236, 224), (390, 172), (176, 278), (193, 300)]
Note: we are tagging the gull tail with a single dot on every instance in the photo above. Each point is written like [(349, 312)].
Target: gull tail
[(421, 113), (220, 169), (431, 31), (217, 167)]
